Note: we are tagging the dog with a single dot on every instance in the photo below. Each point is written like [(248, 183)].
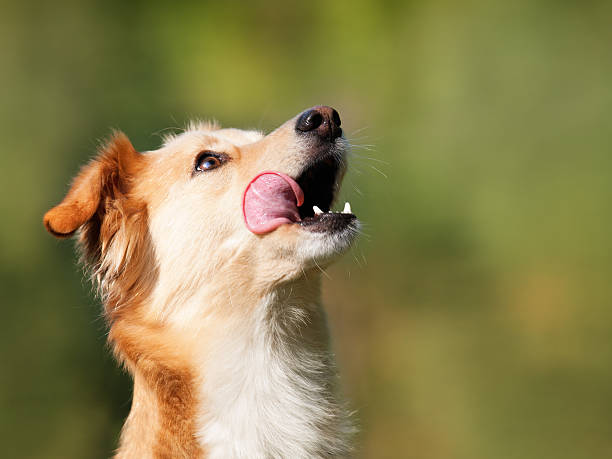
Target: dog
[(208, 254)]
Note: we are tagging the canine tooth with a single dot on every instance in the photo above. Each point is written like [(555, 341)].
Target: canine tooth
[(347, 208), (317, 211)]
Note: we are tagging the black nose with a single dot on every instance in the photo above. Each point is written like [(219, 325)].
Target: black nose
[(322, 120)]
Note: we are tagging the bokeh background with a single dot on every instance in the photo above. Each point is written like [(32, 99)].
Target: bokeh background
[(473, 319)]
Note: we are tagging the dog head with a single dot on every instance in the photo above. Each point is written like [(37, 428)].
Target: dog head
[(212, 204)]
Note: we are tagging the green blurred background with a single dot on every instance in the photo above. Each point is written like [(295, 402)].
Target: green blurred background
[(473, 320)]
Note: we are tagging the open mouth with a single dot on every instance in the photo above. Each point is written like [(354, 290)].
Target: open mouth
[(272, 199), (320, 185)]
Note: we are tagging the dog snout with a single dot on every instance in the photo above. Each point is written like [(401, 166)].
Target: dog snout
[(322, 121)]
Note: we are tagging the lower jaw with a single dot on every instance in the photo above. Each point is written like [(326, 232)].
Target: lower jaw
[(327, 222)]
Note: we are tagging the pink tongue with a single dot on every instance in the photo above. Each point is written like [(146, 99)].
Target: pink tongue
[(271, 199)]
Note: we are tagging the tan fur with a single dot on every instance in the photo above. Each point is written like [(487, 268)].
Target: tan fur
[(163, 412), (115, 246), (180, 275)]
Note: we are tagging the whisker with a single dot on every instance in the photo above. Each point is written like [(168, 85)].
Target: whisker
[(379, 171), (363, 147), (357, 170), (362, 137), (356, 140), (372, 159), (322, 270), (359, 130)]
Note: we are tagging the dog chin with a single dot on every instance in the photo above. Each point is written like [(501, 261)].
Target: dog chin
[(322, 248)]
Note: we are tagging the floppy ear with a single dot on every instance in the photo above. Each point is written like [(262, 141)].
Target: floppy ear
[(107, 176)]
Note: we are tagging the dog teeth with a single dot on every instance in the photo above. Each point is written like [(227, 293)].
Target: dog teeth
[(346, 210)]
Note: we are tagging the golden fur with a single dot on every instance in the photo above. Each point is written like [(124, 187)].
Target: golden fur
[(181, 278)]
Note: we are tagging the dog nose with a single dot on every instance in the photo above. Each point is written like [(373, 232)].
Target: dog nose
[(321, 120)]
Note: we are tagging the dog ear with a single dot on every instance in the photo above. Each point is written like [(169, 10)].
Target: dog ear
[(106, 177)]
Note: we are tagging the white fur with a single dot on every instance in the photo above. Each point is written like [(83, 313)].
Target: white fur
[(271, 392), (250, 305)]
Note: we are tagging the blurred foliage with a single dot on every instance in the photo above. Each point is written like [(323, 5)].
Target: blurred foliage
[(472, 320)]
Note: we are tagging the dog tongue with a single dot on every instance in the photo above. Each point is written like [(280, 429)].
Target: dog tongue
[(271, 199)]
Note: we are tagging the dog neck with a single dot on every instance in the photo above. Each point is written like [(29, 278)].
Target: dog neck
[(253, 378)]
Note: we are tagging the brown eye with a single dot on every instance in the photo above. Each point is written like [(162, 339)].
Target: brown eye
[(207, 161)]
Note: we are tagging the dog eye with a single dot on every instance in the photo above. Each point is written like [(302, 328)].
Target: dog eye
[(207, 161)]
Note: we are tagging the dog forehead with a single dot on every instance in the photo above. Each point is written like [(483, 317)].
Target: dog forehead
[(205, 137), (237, 137)]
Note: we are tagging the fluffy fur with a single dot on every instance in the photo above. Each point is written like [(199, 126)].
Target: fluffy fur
[(222, 330)]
